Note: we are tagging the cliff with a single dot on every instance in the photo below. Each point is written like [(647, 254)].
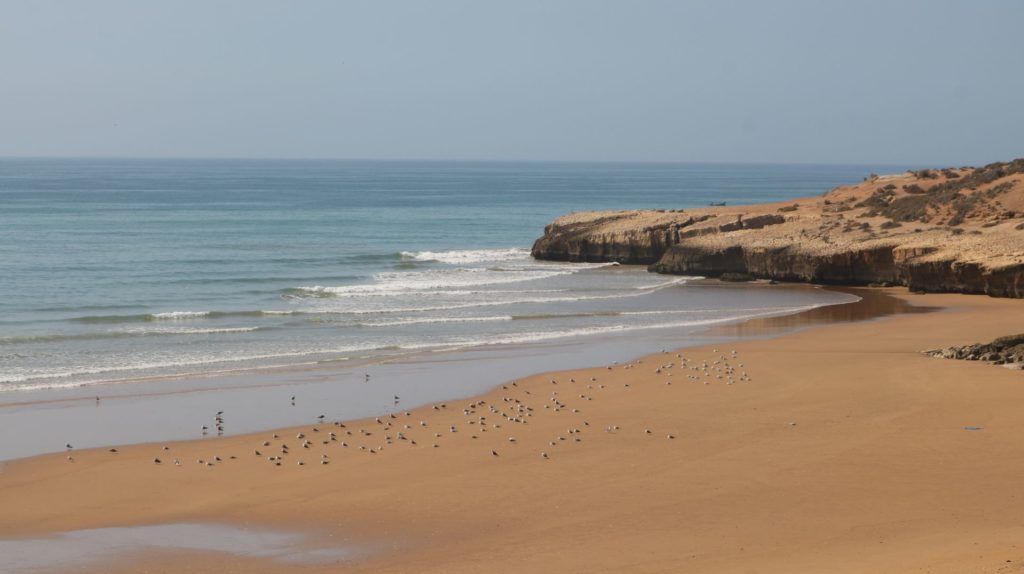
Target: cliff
[(952, 230)]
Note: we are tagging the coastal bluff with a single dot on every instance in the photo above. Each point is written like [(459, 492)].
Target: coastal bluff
[(955, 230)]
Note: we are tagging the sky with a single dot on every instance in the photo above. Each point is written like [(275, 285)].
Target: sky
[(928, 82)]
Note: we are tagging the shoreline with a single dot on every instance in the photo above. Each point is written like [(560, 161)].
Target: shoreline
[(853, 492), (256, 400)]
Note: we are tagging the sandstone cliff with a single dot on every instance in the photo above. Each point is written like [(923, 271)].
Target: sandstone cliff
[(953, 230)]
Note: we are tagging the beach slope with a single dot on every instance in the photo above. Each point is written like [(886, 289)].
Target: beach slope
[(835, 449)]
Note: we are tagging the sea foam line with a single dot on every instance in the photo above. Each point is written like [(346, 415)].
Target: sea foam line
[(468, 256), (519, 338), (430, 320), (56, 338), (178, 316), (43, 376)]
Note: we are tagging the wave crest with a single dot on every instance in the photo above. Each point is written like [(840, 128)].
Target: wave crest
[(467, 256)]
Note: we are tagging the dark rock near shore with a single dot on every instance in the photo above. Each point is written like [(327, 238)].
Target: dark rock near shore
[(737, 277), (1007, 351)]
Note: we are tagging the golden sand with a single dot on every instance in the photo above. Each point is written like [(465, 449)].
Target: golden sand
[(834, 449)]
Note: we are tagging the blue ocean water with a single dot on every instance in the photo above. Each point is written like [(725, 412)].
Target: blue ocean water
[(118, 270)]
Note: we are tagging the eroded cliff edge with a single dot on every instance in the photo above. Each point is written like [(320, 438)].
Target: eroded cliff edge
[(954, 230)]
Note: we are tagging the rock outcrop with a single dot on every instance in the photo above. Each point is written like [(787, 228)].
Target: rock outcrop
[(954, 230), (1008, 351)]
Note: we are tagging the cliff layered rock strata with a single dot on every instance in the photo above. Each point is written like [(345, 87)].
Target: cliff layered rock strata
[(953, 230)]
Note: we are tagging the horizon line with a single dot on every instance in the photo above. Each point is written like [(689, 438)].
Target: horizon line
[(462, 160)]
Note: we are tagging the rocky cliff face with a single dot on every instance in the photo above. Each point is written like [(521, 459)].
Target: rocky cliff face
[(956, 230), (876, 265)]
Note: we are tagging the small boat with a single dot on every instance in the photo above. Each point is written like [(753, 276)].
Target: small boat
[(717, 204)]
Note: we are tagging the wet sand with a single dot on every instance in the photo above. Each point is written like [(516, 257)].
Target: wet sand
[(837, 448), (177, 408)]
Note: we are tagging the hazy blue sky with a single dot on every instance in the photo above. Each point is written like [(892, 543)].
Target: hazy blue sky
[(904, 82)]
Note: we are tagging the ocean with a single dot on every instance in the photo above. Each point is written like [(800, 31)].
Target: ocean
[(120, 271)]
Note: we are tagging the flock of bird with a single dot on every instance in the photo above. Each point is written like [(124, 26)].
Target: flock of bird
[(499, 425)]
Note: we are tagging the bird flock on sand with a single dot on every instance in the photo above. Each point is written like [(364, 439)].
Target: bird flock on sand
[(500, 426)]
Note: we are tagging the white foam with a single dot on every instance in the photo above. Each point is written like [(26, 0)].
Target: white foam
[(429, 320), (468, 256), (185, 331), (428, 282), (48, 378), (663, 284), (52, 380), (537, 336), (525, 297), (695, 311), (177, 315)]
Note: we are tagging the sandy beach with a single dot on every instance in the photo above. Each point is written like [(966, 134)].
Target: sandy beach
[(838, 448)]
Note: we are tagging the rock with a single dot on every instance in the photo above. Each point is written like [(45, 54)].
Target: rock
[(954, 246), (1007, 351), (736, 277)]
